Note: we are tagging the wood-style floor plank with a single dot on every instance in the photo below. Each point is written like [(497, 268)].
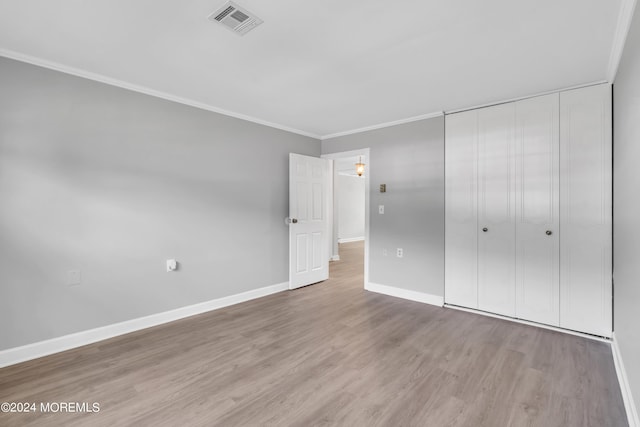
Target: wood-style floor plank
[(327, 354)]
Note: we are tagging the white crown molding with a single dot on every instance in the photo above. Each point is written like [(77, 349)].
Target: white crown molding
[(625, 388), (55, 345), (623, 25), (405, 294), (144, 90), (505, 101), (459, 110), (383, 125)]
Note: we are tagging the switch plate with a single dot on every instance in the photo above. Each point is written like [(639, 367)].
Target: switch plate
[(74, 277), (381, 209), (399, 252)]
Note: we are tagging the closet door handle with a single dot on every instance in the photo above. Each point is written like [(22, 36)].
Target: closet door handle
[(485, 229), (548, 232)]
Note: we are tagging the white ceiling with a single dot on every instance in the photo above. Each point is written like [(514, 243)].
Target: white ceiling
[(323, 67)]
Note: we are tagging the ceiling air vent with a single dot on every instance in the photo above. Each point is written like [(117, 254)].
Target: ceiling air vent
[(235, 18)]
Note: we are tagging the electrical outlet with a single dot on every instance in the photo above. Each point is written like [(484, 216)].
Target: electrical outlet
[(399, 252), (74, 277), (381, 209), (384, 252)]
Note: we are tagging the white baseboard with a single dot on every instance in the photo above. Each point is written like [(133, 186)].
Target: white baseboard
[(625, 389), (405, 294), (335, 258), (55, 345), (351, 239)]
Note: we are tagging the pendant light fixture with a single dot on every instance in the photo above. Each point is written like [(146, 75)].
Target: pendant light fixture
[(360, 167)]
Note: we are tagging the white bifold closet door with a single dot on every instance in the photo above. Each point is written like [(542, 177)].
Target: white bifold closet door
[(537, 209), (585, 212), (461, 217), (528, 209), (496, 209)]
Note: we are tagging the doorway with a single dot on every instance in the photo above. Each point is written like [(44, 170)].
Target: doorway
[(347, 204)]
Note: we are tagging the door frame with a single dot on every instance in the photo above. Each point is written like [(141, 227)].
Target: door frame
[(366, 158)]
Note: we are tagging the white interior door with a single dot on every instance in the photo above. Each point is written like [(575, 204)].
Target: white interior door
[(537, 209), (461, 209), (309, 236), (496, 209), (585, 211)]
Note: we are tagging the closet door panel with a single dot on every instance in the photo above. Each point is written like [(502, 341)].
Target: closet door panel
[(585, 210), (461, 285), (537, 209), (496, 226)]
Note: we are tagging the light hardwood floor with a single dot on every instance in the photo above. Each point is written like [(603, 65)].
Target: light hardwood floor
[(328, 354)]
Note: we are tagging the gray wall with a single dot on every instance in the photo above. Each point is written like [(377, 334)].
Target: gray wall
[(350, 201), (113, 182), (626, 207), (409, 159)]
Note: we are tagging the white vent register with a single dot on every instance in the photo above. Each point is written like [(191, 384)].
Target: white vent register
[(235, 18)]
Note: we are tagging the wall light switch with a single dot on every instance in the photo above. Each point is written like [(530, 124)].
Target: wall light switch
[(383, 188), (172, 265), (381, 209), (74, 277)]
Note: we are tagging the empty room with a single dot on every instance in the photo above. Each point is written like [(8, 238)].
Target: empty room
[(364, 213)]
